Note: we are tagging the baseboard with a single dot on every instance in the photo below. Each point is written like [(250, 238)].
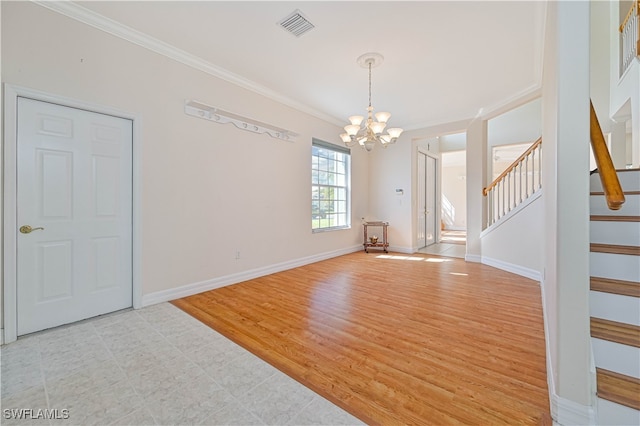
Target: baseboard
[(514, 269), (567, 412), (399, 249), (473, 258), (199, 287)]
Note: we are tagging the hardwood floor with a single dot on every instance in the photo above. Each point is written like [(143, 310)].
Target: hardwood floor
[(396, 339)]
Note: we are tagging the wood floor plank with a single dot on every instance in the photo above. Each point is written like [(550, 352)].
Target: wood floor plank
[(396, 339)]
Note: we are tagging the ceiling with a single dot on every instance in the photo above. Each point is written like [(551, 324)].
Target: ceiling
[(443, 61)]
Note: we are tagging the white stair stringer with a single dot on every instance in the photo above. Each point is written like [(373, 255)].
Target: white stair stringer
[(617, 228)]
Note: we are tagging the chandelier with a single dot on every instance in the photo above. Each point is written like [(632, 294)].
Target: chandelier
[(371, 130)]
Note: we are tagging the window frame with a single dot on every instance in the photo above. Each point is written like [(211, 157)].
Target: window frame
[(316, 183)]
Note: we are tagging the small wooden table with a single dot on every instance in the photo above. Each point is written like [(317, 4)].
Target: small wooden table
[(384, 243)]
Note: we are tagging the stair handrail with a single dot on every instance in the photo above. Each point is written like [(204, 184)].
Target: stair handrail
[(513, 165), (608, 176), (634, 6)]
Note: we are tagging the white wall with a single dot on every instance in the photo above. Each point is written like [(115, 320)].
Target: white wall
[(477, 180), (519, 125), (454, 188), (207, 189), (600, 61), (523, 254), (453, 142), (566, 211), (390, 169)]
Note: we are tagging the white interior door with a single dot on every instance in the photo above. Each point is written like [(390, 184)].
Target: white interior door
[(427, 200), (431, 199), (422, 201), (74, 180)]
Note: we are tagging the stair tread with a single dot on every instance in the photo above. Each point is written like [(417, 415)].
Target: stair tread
[(618, 332), (612, 218), (615, 249), (624, 192), (620, 170), (613, 286), (618, 388)]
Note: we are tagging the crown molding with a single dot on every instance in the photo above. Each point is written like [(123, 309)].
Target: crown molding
[(527, 94), (519, 98), (110, 26)]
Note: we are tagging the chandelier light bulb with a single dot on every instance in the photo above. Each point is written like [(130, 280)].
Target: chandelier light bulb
[(352, 129), (356, 120), (395, 132), (377, 127), (345, 138), (383, 117)]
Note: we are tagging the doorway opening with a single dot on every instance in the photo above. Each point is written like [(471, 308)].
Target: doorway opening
[(452, 199)]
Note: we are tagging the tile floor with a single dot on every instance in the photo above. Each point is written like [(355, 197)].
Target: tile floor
[(153, 366), (445, 249), (452, 244)]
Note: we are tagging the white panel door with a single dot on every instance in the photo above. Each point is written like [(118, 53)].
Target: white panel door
[(422, 206), (75, 182), (430, 211)]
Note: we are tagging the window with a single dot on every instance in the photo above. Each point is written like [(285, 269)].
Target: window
[(330, 181)]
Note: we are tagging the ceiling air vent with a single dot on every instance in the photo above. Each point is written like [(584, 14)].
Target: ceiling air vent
[(296, 23)]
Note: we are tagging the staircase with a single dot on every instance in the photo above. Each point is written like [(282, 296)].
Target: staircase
[(615, 301)]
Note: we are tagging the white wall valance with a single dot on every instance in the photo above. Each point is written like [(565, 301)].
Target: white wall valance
[(207, 112)]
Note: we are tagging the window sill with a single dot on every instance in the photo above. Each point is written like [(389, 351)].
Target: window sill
[(334, 228)]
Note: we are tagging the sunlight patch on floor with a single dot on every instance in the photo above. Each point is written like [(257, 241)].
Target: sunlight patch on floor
[(414, 258)]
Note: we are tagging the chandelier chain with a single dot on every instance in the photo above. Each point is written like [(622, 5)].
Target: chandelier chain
[(369, 83)]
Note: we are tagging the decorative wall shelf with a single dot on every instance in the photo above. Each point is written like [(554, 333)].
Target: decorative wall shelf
[(207, 112)]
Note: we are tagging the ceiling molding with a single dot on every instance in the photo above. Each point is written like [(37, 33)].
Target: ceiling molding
[(533, 91), (100, 22), (519, 98)]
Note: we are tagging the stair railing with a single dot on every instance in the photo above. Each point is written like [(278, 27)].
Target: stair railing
[(517, 183), (608, 176), (630, 35)]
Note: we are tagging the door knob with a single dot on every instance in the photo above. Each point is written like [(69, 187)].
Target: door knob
[(26, 229)]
